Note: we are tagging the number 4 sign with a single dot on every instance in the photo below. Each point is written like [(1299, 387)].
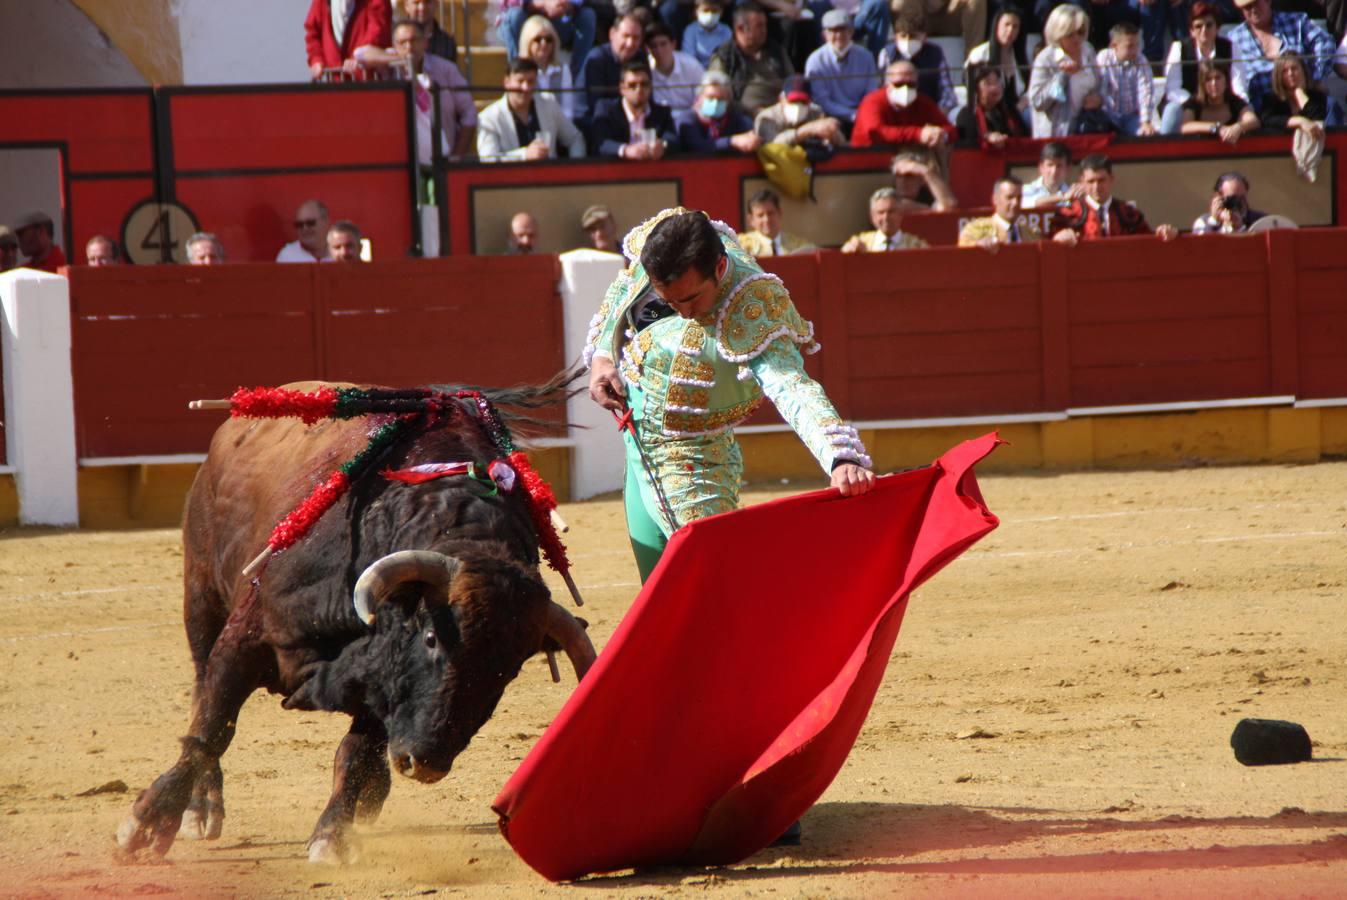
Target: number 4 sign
[(155, 232)]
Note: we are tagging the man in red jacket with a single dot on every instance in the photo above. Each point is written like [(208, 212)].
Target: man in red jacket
[(898, 114), (335, 30)]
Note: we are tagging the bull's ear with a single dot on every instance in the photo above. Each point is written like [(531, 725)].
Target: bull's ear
[(328, 688)]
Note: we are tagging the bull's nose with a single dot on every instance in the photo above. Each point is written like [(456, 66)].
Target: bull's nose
[(409, 766)]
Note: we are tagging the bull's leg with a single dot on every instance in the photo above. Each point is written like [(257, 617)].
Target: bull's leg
[(360, 784), (203, 819), (237, 666)]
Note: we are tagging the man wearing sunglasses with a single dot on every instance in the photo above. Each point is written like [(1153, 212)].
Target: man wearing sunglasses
[(311, 224)]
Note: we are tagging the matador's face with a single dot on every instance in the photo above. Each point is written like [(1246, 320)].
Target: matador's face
[(692, 294)]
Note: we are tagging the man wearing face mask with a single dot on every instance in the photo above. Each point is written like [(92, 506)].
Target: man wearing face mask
[(715, 124), (796, 119), (842, 72), (909, 43), (898, 114)]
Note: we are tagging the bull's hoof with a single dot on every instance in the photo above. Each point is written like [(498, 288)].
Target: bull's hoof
[(135, 835), (334, 850), (201, 826)]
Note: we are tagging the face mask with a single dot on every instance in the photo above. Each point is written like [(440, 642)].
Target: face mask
[(902, 97), (712, 108), (909, 47), (794, 113), (708, 19)]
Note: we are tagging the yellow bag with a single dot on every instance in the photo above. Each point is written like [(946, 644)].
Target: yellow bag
[(788, 167)]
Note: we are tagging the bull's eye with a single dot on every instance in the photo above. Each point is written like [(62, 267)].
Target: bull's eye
[(431, 641)]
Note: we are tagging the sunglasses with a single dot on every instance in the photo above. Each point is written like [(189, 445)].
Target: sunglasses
[(305, 223)]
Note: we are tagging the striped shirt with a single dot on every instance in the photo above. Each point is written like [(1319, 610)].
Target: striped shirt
[(1126, 87)]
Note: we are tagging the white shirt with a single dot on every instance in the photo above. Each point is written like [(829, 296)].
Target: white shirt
[(294, 252), (341, 11), (678, 89)]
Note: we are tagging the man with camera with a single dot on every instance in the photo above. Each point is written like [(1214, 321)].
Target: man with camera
[(1230, 212)]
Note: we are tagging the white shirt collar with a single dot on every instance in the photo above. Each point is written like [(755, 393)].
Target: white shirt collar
[(1101, 207)]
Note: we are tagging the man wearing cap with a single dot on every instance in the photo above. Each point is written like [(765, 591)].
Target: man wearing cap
[(36, 239), (9, 249), (597, 221), (767, 237), (842, 72), (795, 118)]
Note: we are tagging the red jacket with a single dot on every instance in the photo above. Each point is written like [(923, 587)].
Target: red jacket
[(878, 122), (370, 24), (1123, 219)]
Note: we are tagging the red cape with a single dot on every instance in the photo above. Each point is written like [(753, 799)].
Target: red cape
[(732, 692)]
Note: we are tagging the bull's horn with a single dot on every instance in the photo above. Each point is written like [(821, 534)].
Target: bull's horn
[(566, 631), (386, 573)]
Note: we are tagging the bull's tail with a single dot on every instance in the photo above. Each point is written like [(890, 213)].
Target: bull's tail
[(511, 401)]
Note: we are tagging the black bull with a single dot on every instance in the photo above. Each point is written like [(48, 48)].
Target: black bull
[(450, 622)]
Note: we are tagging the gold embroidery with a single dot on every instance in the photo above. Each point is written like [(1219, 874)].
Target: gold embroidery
[(695, 423), (684, 395), (690, 369), (693, 337), (753, 310)]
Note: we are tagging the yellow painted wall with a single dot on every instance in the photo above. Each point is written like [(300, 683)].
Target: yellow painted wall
[(146, 31)]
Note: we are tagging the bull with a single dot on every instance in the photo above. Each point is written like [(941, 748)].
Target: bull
[(409, 607)]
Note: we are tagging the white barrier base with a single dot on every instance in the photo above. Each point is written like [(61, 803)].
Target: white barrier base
[(39, 395)]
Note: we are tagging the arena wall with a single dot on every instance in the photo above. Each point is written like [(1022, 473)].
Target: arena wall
[(1122, 353)]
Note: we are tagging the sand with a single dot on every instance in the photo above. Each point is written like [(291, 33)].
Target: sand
[(1055, 719)]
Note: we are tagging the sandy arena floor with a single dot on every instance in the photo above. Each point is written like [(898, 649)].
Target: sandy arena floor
[(1098, 648)]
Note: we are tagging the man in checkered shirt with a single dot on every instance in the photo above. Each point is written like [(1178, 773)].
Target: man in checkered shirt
[(1263, 37)]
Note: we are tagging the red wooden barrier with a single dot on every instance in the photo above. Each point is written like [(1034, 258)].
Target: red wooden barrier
[(937, 333), (149, 339)]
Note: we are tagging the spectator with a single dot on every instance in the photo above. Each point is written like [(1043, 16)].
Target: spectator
[(964, 18), (523, 234), (989, 119), (1005, 51), (1052, 187), (675, 75), (431, 76), (715, 124), (438, 41), (37, 240), (910, 44), (343, 241), (873, 21), (1003, 226), (9, 249), (311, 222), (336, 42), (1203, 44), (1229, 212), (796, 119), (898, 114), (793, 25), (574, 21), (1064, 73), (765, 237), (523, 125), (1215, 109), (842, 72), (920, 186), (886, 214), (539, 42), (603, 67), (1293, 101), (101, 250), (598, 222), (702, 38), (1262, 37), (1126, 83), (631, 126), (756, 66), (205, 249), (1096, 214)]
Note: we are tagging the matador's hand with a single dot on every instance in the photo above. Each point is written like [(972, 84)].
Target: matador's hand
[(605, 385), (852, 480)]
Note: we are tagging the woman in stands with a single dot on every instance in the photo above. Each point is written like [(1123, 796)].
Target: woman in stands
[(1004, 52), (1294, 101), (539, 42), (1065, 79), (1215, 109), (1203, 44), (988, 118)]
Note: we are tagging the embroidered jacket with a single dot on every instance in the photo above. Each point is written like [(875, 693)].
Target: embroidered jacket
[(1084, 219), (700, 377), (993, 227)]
